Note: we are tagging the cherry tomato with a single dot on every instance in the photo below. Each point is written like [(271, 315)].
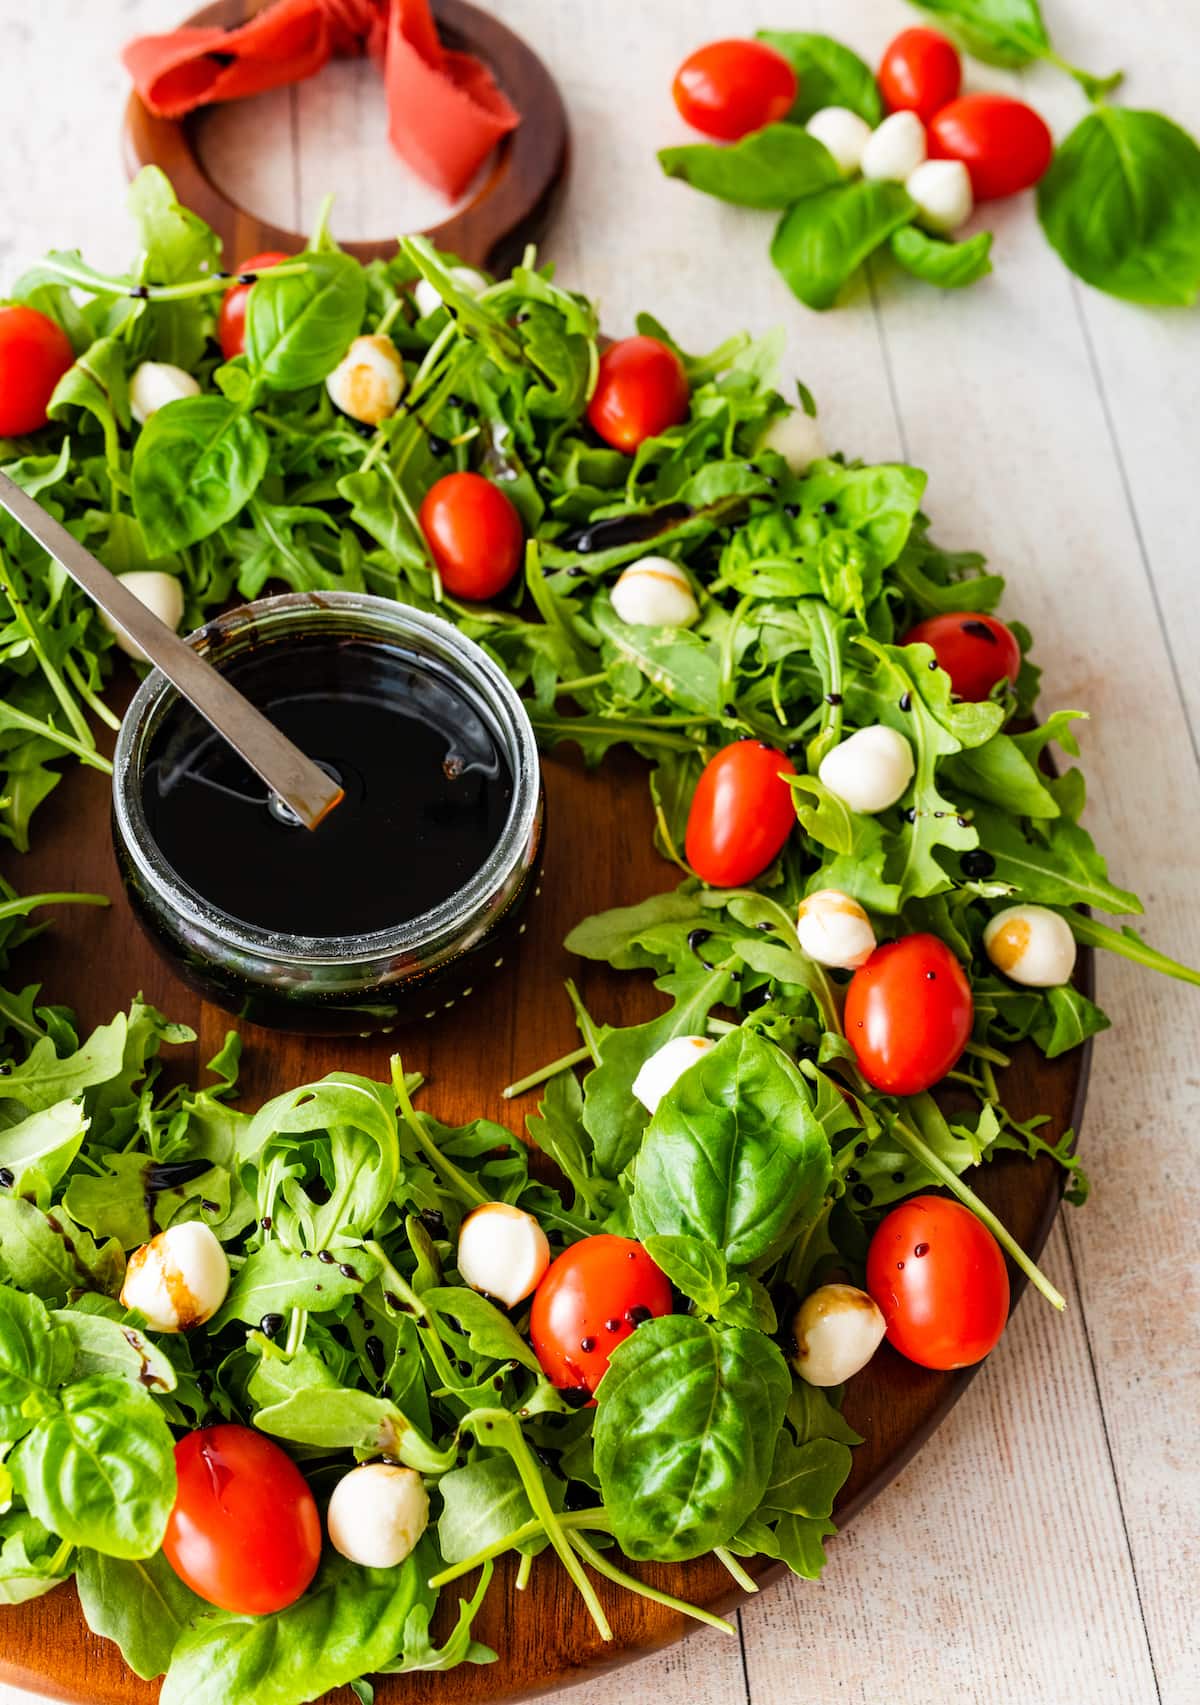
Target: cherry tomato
[(1004, 144), (741, 813), (939, 1280), (231, 321), (920, 72), (908, 1014), (475, 535), (641, 389), (35, 352), (975, 651), (591, 1298), (730, 88), (244, 1533)]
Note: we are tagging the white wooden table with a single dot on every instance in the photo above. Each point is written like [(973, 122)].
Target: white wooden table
[(1045, 1548)]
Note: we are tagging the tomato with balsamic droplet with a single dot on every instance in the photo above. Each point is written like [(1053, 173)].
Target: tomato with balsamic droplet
[(592, 1297), (920, 72), (908, 1014), (741, 813), (728, 88), (938, 1277), (475, 535), (641, 390), (231, 321), (975, 651), (1004, 144), (35, 352)]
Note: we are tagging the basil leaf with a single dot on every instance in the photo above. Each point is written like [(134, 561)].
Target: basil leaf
[(686, 1424), (140, 1603), (298, 328), (32, 1559), (1121, 205), (950, 266), (693, 1267), (1000, 32), (771, 167), (196, 464), (829, 75), (105, 1346), (35, 1358), (821, 242)]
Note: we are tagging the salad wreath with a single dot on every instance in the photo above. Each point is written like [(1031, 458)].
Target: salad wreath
[(880, 889)]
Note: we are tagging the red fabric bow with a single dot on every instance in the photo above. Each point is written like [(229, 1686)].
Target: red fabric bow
[(445, 111)]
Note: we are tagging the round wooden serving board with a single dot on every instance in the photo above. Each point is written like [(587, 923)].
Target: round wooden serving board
[(599, 853)]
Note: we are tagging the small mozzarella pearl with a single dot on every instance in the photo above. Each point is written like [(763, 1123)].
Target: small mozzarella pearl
[(845, 135), (663, 1070), (797, 438), (869, 771), (377, 1514), (655, 592), (426, 296), (177, 1280), (160, 593), (942, 192), (833, 929), (837, 1330), (895, 149), (154, 385), (1032, 945), (502, 1251), (368, 381)]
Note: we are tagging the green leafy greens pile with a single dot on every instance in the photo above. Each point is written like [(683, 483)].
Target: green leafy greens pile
[(346, 1332)]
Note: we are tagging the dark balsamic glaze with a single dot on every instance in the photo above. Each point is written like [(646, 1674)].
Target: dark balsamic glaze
[(977, 864), (625, 529), (980, 630)]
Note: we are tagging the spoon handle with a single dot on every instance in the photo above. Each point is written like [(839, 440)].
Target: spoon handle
[(294, 778)]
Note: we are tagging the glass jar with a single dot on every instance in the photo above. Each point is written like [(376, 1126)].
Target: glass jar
[(355, 984)]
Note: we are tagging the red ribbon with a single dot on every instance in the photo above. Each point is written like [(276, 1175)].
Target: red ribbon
[(445, 111)]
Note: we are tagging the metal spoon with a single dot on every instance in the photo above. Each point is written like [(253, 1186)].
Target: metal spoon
[(299, 783)]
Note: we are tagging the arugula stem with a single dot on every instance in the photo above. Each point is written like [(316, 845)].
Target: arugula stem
[(93, 701), (544, 1073), (980, 1051), (747, 1582), (524, 1569), (56, 683), (457, 1182), (32, 725), (98, 284), (295, 1335), (26, 902), (601, 1564), (585, 1022), (571, 727), (596, 1520), (564, 688)]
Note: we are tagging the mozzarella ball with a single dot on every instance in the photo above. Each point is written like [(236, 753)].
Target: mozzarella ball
[(663, 1070), (655, 592), (160, 593), (895, 149), (869, 771), (377, 1514), (178, 1279), (154, 385), (428, 299), (843, 133), (942, 192), (368, 381), (797, 438), (1032, 945), (502, 1251), (833, 929), (837, 1330)]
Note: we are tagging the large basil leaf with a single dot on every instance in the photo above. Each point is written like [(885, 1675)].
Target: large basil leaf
[(1000, 32), (828, 74), (35, 1356), (31, 1558), (685, 1434), (140, 1603), (823, 239), (298, 328), (771, 167), (950, 266), (196, 464), (734, 1155), (1121, 204)]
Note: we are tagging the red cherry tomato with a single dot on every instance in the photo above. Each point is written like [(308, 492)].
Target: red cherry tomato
[(244, 1533), (641, 389), (975, 651), (920, 72), (741, 813), (939, 1280), (730, 88), (35, 352), (590, 1299), (475, 535), (1004, 144), (231, 321), (908, 1014)]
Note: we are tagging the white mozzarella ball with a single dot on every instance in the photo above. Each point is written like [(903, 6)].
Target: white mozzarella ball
[(869, 771), (426, 295), (502, 1251), (833, 929), (942, 192), (655, 592), (177, 1280), (845, 135), (895, 148), (663, 1070), (377, 1514), (1032, 945), (154, 385), (797, 438), (368, 381), (837, 1330), (161, 593)]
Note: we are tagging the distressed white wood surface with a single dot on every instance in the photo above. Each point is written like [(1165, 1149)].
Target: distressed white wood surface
[(1045, 1548)]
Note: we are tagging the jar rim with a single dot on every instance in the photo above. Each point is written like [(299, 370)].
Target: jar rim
[(369, 617)]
